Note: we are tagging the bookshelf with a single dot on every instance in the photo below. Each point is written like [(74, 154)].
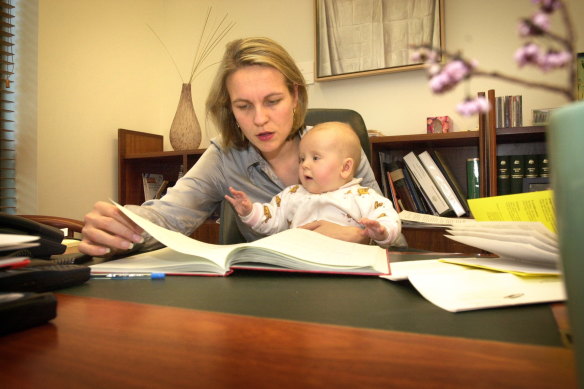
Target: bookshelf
[(456, 147), (142, 152)]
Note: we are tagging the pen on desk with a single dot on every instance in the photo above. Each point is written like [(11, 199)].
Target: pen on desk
[(129, 276)]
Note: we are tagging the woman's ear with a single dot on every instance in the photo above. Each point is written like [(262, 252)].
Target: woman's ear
[(347, 168)]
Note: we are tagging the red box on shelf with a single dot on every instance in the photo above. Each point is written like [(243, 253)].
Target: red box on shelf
[(438, 124)]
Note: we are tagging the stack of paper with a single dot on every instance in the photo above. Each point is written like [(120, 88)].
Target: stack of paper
[(458, 288), (524, 248), (13, 242)]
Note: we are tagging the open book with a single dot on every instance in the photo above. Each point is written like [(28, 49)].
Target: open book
[(290, 250)]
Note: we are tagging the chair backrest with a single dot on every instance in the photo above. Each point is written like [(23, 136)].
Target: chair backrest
[(228, 231)]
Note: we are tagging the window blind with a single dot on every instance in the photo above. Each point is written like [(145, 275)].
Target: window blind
[(7, 128)]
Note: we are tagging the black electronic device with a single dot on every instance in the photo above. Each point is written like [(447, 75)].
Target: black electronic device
[(43, 278), (50, 237), (20, 311)]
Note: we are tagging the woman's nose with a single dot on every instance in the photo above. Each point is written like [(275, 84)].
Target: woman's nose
[(260, 117)]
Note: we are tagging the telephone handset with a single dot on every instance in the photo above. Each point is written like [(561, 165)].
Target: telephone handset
[(50, 237)]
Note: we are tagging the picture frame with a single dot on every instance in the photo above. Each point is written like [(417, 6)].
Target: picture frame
[(356, 38)]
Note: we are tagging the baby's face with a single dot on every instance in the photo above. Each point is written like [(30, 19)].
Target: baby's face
[(320, 163)]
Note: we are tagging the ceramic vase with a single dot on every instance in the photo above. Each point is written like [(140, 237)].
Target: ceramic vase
[(185, 131), (566, 152)]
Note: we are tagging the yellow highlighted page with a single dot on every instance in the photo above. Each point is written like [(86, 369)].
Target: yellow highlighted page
[(532, 206)]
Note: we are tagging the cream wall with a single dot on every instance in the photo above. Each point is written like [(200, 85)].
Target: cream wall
[(100, 68)]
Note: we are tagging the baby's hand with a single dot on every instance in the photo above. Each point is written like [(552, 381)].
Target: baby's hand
[(240, 202), (374, 229)]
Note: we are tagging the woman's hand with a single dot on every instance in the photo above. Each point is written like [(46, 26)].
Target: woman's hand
[(107, 230), (346, 233)]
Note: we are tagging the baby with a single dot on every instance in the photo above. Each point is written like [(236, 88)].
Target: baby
[(329, 154)]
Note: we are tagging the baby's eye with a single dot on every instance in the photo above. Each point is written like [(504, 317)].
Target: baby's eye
[(316, 158)]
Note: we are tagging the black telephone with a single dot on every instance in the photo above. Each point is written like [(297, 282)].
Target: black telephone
[(50, 237)]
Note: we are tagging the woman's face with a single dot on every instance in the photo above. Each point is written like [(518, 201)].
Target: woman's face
[(263, 106)]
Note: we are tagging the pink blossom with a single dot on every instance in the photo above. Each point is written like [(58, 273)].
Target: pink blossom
[(528, 54), (471, 107), (554, 60), (450, 75), (541, 20), (548, 6), (456, 70)]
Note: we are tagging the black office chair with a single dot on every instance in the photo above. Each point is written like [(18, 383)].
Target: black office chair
[(228, 231)]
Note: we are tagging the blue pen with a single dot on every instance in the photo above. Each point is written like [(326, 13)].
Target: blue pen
[(129, 276)]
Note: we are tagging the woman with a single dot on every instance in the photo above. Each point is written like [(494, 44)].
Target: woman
[(258, 102)]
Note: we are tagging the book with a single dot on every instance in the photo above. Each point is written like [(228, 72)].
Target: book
[(531, 166), (421, 204), (427, 185), (472, 179), (290, 250), (517, 163), (152, 183), (451, 178), (397, 203), (503, 175), (162, 190), (384, 160), (543, 165), (397, 177), (421, 220), (386, 179), (441, 183)]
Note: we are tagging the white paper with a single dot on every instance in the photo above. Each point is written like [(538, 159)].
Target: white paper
[(480, 289)]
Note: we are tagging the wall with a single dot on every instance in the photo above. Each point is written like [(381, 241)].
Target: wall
[(100, 68)]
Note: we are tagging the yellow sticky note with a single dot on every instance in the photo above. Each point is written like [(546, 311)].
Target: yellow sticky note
[(531, 206)]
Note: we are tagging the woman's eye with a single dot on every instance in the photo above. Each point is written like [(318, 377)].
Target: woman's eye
[(241, 107), (273, 102)]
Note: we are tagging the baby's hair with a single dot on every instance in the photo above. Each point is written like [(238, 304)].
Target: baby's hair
[(349, 144)]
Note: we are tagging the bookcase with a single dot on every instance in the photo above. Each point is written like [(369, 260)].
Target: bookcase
[(142, 152), (486, 143)]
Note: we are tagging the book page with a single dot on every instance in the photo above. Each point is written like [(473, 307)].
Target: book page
[(507, 266), (164, 260), (402, 270), (339, 254), (532, 206), (511, 236), (432, 219), (180, 242), (480, 289), (511, 250)]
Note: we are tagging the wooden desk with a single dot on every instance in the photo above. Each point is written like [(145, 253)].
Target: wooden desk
[(113, 344)]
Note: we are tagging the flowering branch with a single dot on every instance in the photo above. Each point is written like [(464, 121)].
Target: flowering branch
[(446, 69)]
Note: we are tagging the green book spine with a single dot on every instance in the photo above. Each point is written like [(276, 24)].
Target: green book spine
[(531, 166), (472, 178), (543, 165), (503, 175), (517, 173)]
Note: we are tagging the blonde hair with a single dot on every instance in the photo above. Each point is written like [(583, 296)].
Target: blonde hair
[(247, 52)]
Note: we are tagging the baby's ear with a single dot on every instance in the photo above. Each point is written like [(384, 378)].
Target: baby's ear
[(347, 168)]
